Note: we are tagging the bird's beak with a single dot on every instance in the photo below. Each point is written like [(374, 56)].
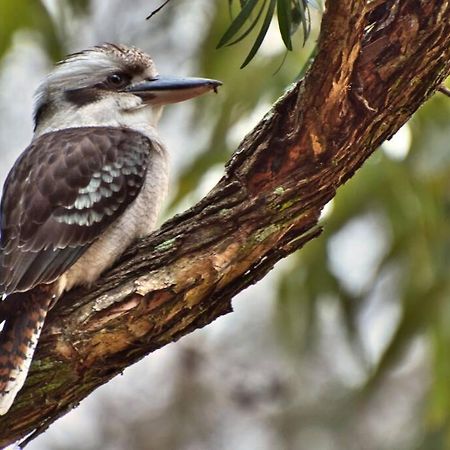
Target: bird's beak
[(163, 90)]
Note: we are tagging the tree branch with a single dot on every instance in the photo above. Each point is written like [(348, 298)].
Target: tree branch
[(376, 65)]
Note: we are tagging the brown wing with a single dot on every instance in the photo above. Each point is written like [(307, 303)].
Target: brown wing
[(61, 194)]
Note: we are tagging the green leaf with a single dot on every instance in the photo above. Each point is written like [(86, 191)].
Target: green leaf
[(284, 21), (238, 23), (301, 16), (262, 33), (251, 27), (291, 15)]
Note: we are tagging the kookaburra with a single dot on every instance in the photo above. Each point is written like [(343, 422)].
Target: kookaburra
[(90, 183)]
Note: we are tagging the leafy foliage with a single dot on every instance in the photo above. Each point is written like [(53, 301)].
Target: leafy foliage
[(291, 15)]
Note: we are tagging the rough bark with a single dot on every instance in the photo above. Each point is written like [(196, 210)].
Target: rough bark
[(377, 63)]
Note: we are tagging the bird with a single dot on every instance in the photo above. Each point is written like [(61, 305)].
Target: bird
[(91, 182)]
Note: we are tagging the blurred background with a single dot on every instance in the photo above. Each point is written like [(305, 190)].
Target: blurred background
[(345, 345)]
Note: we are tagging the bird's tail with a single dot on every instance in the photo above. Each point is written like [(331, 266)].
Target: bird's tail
[(18, 340)]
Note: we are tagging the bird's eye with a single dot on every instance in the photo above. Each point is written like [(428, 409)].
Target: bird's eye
[(116, 80)]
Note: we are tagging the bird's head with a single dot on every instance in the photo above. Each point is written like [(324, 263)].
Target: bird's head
[(107, 84)]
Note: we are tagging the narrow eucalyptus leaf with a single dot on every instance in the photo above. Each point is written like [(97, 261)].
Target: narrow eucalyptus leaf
[(251, 27), (284, 21), (302, 9), (238, 22), (262, 33)]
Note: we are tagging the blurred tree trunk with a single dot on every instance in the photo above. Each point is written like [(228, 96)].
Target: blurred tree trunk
[(377, 63)]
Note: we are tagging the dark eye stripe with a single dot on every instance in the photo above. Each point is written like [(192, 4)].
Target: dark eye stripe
[(90, 94), (82, 96)]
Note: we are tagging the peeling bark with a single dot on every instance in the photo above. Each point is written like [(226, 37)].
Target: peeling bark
[(377, 63)]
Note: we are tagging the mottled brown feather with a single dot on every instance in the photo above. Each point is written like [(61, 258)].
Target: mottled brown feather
[(18, 340), (46, 224)]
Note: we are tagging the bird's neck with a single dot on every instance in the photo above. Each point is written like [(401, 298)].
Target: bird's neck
[(106, 113)]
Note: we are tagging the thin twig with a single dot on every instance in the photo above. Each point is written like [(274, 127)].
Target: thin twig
[(157, 10), (444, 90)]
